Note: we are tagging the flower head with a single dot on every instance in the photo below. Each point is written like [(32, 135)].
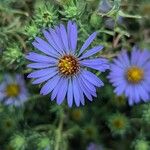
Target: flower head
[(8, 123), (130, 75), (105, 6), (93, 146), (118, 124), (13, 90), (77, 114), (63, 68)]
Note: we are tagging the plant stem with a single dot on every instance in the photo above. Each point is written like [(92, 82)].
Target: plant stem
[(59, 131)]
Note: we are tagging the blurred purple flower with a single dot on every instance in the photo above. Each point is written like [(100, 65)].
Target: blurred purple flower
[(131, 75), (110, 23), (93, 146), (63, 67), (13, 90), (105, 6)]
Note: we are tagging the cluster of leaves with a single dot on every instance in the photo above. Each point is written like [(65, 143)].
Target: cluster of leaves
[(107, 121)]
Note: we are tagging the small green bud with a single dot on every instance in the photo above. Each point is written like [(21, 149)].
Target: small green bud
[(44, 143), (73, 10), (70, 11), (77, 114), (13, 57), (145, 9), (63, 2), (32, 30), (45, 15), (95, 20), (90, 131), (8, 124), (141, 145), (119, 101), (118, 124), (18, 142)]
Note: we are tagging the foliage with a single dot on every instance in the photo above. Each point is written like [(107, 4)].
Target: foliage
[(43, 125)]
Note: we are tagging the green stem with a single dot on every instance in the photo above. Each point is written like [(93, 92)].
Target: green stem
[(44, 127), (59, 132)]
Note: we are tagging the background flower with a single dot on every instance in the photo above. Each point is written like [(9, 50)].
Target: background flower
[(93, 146), (118, 124), (13, 90), (130, 75)]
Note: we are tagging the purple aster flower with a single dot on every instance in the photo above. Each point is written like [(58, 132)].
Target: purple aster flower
[(110, 23), (93, 146), (105, 6), (13, 90), (130, 75), (63, 67)]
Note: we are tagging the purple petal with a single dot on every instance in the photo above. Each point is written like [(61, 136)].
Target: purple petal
[(90, 88), (50, 85), (87, 42), (88, 84), (40, 58), (146, 85), (124, 58), (64, 37), (135, 55), (45, 47), (144, 95), (2, 95), (62, 92), (84, 89), (136, 94), (44, 78), (129, 94), (42, 72), (118, 81), (81, 96), (56, 90), (118, 63), (80, 93), (92, 78), (50, 40), (144, 58), (70, 94), (9, 101), (40, 65), (100, 64), (92, 52), (56, 39), (115, 68), (76, 91), (121, 88), (72, 35)]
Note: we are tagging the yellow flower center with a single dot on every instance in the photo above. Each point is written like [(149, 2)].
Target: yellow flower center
[(68, 65), (77, 115), (118, 123), (135, 74), (12, 90)]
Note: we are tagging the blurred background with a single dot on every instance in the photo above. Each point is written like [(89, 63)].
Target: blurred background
[(36, 123)]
